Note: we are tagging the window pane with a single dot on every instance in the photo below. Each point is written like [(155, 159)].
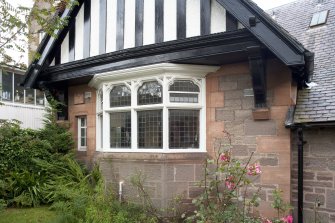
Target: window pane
[(150, 129), (183, 129), (30, 96), (315, 19), (120, 130), (39, 97), (83, 132), (18, 90), (150, 93), (82, 122), (183, 98), (120, 96), (82, 141), (323, 17), (7, 86), (187, 86)]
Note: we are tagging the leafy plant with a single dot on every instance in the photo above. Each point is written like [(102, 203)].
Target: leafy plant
[(279, 204)]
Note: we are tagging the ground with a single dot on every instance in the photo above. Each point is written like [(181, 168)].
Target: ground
[(27, 215)]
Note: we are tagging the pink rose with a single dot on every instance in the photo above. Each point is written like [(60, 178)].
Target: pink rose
[(254, 169), (225, 157), (287, 219)]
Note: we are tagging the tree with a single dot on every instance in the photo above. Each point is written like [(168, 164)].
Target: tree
[(22, 26)]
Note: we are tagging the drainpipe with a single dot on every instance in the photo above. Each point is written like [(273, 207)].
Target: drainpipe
[(300, 175)]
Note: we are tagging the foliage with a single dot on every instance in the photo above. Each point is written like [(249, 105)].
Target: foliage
[(23, 180), (229, 194), (15, 23), (60, 139), (279, 204)]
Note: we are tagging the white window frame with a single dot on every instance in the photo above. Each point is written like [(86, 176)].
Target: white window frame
[(165, 74), (79, 119)]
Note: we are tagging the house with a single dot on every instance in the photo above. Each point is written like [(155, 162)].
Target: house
[(151, 85), (312, 120), (24, 105)]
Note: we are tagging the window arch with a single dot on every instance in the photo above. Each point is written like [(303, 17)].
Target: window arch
[(149, 93), (120, 96), (184, 91), (184, 85)]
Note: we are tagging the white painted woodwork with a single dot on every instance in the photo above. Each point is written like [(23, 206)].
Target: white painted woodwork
[(64, 57), (192, 18), (31, 116), (240, 26), (165, 74), (94, 50), (193, 25), (79, 35), (129, 24), (170, 20), (111, 26), (149, 22), (218, 17)]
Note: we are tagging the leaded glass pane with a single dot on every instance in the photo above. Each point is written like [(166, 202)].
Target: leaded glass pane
[(150, 129), (83, 141), (186, 86), (183, 129), (183, 98), (150, 93), (83, 122), (120, 96), (120, 130)]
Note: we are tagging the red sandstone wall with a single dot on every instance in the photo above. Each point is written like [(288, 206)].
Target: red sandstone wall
[(228, 109), (79, 106)]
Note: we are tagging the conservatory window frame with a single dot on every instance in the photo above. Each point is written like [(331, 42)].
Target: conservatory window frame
[(134, 108)]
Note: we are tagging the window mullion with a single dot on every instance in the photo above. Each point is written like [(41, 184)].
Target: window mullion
[(133, 117), (165, 115), (105, 118)]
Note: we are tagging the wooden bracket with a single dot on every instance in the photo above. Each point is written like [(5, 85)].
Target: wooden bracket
[(258, 74)]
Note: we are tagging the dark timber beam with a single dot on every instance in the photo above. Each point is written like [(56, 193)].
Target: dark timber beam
[(159, 21), (231, 22), (72, 38), (205, 16), (120, 25), (87, 28), (139, 9), (177, 51), (258, 74), (181, 19)]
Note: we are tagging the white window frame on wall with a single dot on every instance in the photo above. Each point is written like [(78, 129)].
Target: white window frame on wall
[(165, 74), (80, 147)]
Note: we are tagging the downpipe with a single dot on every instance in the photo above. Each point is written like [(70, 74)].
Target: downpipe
[(120, 190), (300, 175)]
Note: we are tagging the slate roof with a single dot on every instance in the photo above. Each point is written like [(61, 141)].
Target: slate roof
[(318, 103)]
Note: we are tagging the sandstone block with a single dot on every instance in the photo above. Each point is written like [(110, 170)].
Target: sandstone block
[(260, 127)]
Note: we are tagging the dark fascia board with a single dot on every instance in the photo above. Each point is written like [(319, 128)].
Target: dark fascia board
[(48, 45), (172, 51), (289, 121), (283, 45)]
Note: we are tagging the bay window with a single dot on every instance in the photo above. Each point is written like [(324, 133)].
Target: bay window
[(152, 111)]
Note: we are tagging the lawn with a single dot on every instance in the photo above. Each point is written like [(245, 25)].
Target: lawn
[(27, 215)]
